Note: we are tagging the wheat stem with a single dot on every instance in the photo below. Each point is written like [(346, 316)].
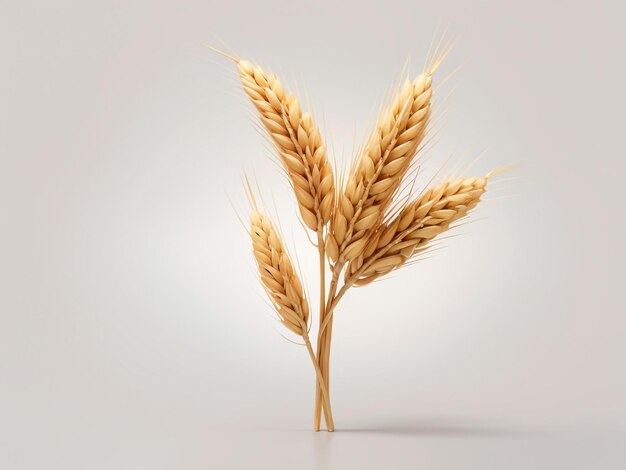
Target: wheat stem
[(322, 383), (317, 416), (333, 303), (322, 268), (323, 344)]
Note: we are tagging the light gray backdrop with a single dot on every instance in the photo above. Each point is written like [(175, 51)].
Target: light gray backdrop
[(133, 332)]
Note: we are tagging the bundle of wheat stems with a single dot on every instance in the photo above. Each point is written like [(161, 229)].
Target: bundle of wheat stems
[(363, 228)]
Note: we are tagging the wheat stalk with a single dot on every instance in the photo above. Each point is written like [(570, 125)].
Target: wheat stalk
[(283, 286), (374, 180), (300, 149)]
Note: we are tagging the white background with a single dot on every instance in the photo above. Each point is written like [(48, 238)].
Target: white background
[(133, 331)]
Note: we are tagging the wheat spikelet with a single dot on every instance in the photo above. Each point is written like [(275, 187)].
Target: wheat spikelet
[(417, 224), (298, 142), (278, 277)]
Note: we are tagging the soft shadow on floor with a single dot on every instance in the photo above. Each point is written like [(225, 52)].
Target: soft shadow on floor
[(431, 427), (441, 428)]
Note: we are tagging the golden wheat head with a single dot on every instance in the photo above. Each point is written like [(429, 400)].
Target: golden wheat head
[(278, 277), (416, 225), (382, 164), (298, 143)]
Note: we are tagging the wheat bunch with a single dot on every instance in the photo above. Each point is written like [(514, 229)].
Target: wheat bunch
[(300, 149), (357, 229)]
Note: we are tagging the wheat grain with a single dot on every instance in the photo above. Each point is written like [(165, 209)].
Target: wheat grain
[(298, 142)]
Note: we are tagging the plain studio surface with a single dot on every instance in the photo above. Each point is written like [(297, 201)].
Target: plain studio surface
[(133, 331)]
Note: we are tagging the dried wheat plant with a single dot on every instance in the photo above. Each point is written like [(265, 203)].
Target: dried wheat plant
[(366, 226)]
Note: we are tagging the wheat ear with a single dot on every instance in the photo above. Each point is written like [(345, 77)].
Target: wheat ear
[(381, 166), (415, 226), (283, 287), (298, 143)]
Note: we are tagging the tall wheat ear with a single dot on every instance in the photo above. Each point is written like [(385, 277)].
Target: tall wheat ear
[(381, 165), (298, 143), (282, 285)]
